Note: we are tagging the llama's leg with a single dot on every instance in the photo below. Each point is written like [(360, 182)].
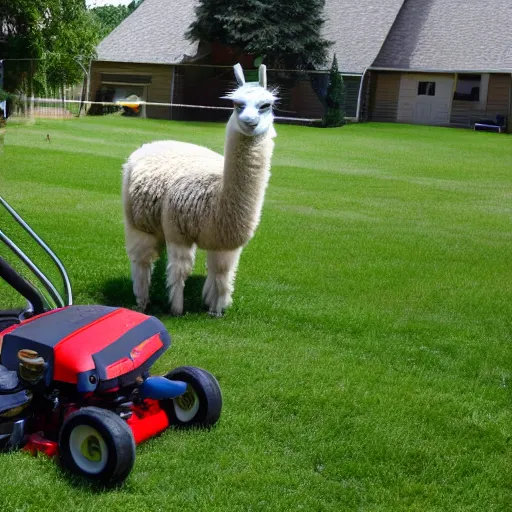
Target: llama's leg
[(219, 284), (142, 249), (180, 264)]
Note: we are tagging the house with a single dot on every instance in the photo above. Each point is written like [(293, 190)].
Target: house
[(139, 56), (148, 56), (415, 61), (444, 63)]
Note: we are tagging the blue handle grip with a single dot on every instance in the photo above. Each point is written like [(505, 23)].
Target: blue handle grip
[(160, 388)]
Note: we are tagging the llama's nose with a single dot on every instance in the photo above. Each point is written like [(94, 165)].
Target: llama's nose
[(250, 118)]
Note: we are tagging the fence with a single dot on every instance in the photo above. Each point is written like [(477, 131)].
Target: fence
[(43, 88), (189, 92)]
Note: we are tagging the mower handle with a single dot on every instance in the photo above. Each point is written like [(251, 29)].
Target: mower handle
[(11, 277), (30, 264)]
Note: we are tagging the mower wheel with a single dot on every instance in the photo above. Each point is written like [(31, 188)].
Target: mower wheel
[(97, 444), (200, 405)]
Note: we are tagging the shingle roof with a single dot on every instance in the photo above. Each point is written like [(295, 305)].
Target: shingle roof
[(422, 35), (473, 35), (358, 29), (154, 34)]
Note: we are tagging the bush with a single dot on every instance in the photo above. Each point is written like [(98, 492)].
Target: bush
[(335, 98)]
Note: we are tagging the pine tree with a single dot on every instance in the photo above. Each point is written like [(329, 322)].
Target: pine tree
[(286, 33), (335, 98)]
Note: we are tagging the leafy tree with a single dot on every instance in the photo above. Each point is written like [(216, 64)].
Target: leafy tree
[(335, 98), (56, 32), (286, 33), (109, 17)]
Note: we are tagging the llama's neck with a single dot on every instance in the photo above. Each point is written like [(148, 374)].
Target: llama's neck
[(246, 174)]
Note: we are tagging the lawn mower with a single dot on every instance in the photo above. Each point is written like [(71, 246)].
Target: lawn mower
[(75, 381)]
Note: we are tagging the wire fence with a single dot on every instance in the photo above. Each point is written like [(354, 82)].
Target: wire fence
[(2, 135), (38, 88), (179, 92)]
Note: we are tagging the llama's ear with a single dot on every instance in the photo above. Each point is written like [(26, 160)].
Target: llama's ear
[(239, 74), (263, 76)]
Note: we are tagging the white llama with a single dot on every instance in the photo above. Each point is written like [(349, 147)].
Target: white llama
[(188, 196)]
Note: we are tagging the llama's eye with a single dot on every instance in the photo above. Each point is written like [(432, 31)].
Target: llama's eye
[(238, 106), (265, 106)]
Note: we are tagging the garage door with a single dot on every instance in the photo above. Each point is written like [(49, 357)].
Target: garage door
[(425, 99)]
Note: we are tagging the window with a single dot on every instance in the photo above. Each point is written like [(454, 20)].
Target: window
[(468, 88), (426, 88)]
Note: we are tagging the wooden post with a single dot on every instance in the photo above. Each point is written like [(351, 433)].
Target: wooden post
[(31, 87), (173, 81), (509, 113)]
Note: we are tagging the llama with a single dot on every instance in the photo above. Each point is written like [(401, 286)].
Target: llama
[(187, 196)]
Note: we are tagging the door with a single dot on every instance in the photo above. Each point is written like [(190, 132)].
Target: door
[(425, 99), (423, 113)]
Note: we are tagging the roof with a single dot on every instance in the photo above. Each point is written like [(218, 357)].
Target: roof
[(358, 29), (154, 33), (448, 35), (444, 35)]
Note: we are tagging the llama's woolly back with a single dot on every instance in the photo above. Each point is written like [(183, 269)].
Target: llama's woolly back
[(172, 149), (151, 169)]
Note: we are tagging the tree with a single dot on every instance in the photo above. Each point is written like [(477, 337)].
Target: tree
[(57, 33), (335, 98), (286, 33), (109, 17)]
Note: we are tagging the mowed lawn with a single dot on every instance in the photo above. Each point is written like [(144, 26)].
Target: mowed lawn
[(366, 363)]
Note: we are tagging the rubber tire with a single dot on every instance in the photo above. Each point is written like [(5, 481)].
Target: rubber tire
[(118, 438), (207, 389)]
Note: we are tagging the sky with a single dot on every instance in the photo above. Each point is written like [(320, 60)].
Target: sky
[(97, 3)]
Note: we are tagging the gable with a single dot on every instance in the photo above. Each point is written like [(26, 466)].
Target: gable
[(358, 29), (154, 33)]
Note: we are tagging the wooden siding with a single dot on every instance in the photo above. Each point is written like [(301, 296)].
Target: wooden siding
[(498, 96), (466, 113), (205, 86), (384, 96), (352, 84), (384, 90), (158, 91), (305, 103), (302, 102)]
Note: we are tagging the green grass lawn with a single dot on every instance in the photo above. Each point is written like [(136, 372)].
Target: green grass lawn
[(366, 362)]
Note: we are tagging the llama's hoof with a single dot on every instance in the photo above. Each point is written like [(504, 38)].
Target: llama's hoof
[(141, 307), (216, 314), (176, 311)]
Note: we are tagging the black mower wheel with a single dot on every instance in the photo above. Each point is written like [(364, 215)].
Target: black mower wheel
[(97, 444), (200, 405)]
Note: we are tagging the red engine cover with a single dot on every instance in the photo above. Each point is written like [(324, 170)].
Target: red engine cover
[(94, 347)]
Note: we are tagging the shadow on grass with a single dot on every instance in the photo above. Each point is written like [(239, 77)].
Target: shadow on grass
[(119, 292)]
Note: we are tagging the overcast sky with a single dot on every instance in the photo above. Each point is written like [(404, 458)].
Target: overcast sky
[(97, 3)]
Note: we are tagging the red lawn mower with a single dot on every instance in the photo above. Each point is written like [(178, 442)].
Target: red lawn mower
[(75, 380)]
